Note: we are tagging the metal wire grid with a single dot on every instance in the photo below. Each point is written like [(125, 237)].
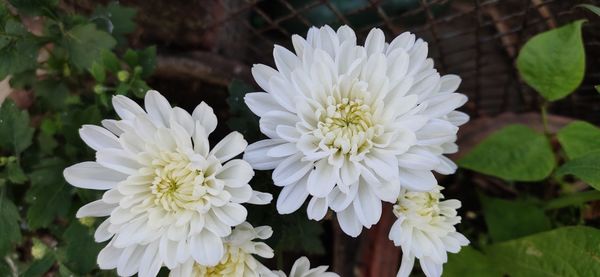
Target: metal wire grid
[(475, 39)]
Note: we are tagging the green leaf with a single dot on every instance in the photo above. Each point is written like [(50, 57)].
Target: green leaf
[(553, 62), (515, 153), (41, 266), (131, 57), (510, 219), (98, 72), (591, 8), (567, 251), (49, 195), (35, 7), (579, 138), (110, 61), (117, 19), (573, 199), (81, 249), (51, 93), (147, 60), (470, 262), (586, 168), (15, 133), (9, 225), (85, 44), (15, 173), (19, 53), (242, 119)]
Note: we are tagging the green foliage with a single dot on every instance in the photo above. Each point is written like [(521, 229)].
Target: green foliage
[(81, 250), (9, 225), (591, 8), (15, 133), (510, 219), (85, 44), (586, 168), (567, 251), (18, 48), (515, 153), (41, 266), (579, 138), (49, 195), (573, 199), (470, 263), (115, 19), (553, 62)]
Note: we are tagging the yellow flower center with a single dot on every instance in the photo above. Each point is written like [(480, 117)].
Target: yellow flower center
[(346, 125), (232, 264), (176, 185)]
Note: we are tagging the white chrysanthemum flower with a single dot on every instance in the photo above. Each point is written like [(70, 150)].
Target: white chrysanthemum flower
[(425, 230), (169, 197), (345, 122), (239, 256), (301, 268)]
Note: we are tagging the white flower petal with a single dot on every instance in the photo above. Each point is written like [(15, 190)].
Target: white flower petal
[(205, 115), (98, 138), (92, 175), (349, 222), (158, 108), (420, 180), (292, 196), (125, 107), (206, 248), (229, 147), (322, 179), (261, 103), (291, 170), (256, 154), (317, 208), (96, 208)]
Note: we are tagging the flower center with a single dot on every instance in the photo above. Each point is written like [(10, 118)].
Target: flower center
[(232, 264), (425, 204), (176, 185), (346, 125)]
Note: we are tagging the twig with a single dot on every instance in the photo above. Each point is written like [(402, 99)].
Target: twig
[(207, 67)]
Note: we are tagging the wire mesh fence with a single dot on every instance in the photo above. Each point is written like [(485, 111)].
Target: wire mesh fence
[(476, 39)]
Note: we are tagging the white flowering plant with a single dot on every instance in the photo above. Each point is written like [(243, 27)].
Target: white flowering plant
[(341, 160)]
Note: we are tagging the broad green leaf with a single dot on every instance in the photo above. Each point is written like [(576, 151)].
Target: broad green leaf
[(470, 263), (553, 62), (116, 19), (41, 266), (98, 72), (573, 199), (586, 168), (147, 60), (81, 249), (15, 173), (52, 93), (568, 251), (515, 153), (242, 119), (9, 225), (591, 8), (579, 138), (15, 133), (49, 195), (110, 61), (510, 219), (20, 52), (35, 7), (84, 44)]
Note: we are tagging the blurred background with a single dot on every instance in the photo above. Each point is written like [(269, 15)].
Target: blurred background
[(193, 51)]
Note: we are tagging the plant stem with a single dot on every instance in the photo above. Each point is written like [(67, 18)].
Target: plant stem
[(544, 109)]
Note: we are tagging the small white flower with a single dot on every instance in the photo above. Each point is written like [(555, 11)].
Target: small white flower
[(425, 230), (345, 122), (301, 268), (238, 259), (169, 197)]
